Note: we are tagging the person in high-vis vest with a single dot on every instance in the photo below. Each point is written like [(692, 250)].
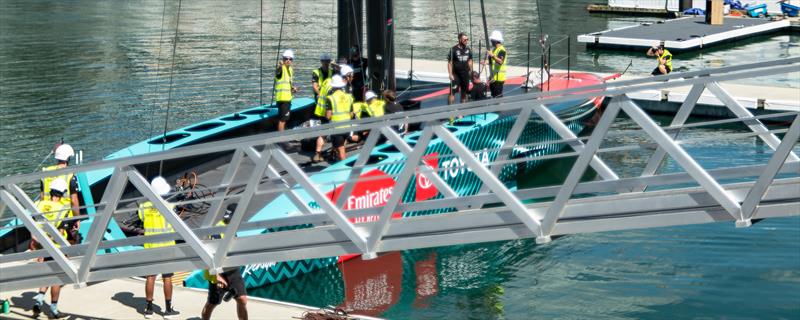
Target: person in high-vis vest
[(340, 109), (284, 87), (497, 58), (155, 223), (227, 284), (664, 58), (321, 83), (374, 106), (62, 155), (52, 211)]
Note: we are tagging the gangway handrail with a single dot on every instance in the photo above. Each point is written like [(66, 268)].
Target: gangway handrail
[(610, 204)]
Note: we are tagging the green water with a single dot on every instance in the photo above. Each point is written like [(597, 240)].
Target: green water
[(97, 73)]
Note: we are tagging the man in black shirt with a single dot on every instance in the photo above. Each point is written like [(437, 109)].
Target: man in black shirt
[(478, 91), (459, 67), (359, 66)]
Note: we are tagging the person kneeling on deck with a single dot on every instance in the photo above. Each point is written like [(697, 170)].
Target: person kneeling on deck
[(284, 87), (497, 59), (340, 109), (478, 91), (664, 58), (226, 285), (371, 108), (155, 223), (62, 155), (54, 211)]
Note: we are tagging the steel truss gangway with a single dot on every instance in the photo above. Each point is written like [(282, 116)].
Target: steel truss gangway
[(742, 194)]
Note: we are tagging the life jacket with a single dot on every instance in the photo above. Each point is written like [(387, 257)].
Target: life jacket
[(499, 70), (283, 86), (154, 223), (66, 199), (324, 89), (667, 57), (376, 108), (341, 106), (55, 212)]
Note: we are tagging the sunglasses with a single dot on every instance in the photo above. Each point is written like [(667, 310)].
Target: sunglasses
[(290, 59)]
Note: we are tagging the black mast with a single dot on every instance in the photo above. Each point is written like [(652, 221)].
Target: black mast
[(350, 26), (380, 44)]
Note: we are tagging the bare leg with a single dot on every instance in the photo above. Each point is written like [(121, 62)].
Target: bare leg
[(342, 153), (320, 143), (167, 287), (281, 125), (463, 96), (662, 68), (55, 293), (207, 310), (451, 97), (148, 288), (241, 307)]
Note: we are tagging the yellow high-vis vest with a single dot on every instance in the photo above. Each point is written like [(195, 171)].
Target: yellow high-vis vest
[(54, 212), (499, 70), (283, 86), (341, 106), (324, 89), (154, 223), (66, 199), (376, 108), (668, 57)]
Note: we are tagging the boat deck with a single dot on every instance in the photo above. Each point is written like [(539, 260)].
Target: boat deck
[(682, 34)]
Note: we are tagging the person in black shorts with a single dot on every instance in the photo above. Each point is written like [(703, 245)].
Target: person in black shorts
[(459, 67), (226, 285)]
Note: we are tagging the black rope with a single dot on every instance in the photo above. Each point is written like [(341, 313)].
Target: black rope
[(539, 17), (169, 95), (455, 14), (278, 56), (261, 57), (158, 70)]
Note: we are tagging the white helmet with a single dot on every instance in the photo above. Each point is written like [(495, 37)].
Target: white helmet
[(346, 69), (63, 152), (160, 186), (369, 95), (288, 53), (337, 81), (496, 36), (58, 185)]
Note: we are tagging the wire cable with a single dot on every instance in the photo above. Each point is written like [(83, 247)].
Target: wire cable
[(171, 78), (278, 56)]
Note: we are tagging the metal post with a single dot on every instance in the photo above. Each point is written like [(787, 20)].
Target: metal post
[(528, 65), (569, 54), (411, 70)]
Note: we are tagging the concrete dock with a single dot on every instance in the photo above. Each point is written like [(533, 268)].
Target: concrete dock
[(759, 99), (683, 34), (124, 299)]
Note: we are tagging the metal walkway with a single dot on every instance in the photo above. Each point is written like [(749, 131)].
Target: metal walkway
[(743, 195)]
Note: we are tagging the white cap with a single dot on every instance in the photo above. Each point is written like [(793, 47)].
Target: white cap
[(160, 186), (289, 53), (63, 152), (346, 69), (496, 36), (337, 81), (59, 185), (369, 95)]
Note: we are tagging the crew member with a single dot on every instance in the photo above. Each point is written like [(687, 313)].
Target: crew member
[(53, 211), (346, 71), (459, 67), (393, 107), (340, 109), (664, 58), (374, 106), (62, 155), (359, 66), (478, 91), (497, 57), (226, 285), (321, 83), (155, 223), (284, 87)]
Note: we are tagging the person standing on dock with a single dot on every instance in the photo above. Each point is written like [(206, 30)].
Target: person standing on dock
[(155, 223), (321, 83), (54, 211), (226, 285), (664, 58), (459, 67), (497, 58), (340, 109), (284, 87), (62, 155)]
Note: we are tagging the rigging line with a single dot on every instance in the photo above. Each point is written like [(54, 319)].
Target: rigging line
[(469, 12), (158, 71), (455, 14), (278, 56), (169, 95), (333, 27), (261, 57), (539, 18), (486, 37)]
